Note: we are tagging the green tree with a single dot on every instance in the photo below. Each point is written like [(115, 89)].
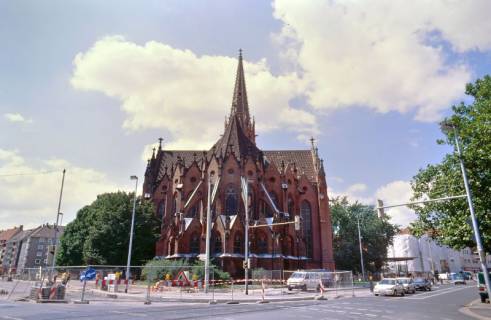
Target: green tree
[(449, 221), (377, 234), (100, 232)]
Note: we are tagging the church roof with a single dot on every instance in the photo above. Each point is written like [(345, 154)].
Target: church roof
[(234, 140), (171, 157), (301, 158)]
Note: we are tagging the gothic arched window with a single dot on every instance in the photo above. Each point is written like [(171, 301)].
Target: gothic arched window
[(194, 244), (217, 243), (174, 205), (238, 243), (262, 244), (231, 200), (291, 207), (193, 211), (161, 210), (306, 214)]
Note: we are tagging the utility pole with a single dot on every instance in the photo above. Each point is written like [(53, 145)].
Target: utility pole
[(245, 195), (361, 251), (58, 213), (131, 235), (475, 226), (208, 235)]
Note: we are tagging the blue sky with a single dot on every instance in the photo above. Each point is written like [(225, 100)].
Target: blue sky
[(91, 85)]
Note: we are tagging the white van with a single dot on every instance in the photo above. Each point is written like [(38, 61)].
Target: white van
[(309, 280)]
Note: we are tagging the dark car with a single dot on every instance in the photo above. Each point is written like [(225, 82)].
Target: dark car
[(422, 284)]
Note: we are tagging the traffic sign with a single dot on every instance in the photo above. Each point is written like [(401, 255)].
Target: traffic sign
[(88, 274)]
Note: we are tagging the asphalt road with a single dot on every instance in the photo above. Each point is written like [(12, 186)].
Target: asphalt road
[(442, 303)]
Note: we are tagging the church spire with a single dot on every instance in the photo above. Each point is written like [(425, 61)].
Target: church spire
[(240, 107)]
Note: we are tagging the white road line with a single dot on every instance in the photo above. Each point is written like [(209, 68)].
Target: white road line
[(370, 315), (437, 293), (10, 318)]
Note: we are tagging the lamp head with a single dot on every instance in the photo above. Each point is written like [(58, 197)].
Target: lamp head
[(134, 178)]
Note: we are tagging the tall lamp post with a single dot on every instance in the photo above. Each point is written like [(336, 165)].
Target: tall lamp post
[(58, 214), (361, 251), (448, 127), (131, 235)]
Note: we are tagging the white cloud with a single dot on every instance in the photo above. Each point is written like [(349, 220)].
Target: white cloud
[(382, 54), (397, 192), (16, 118), (31, 199), (354, 192), (188, 95)]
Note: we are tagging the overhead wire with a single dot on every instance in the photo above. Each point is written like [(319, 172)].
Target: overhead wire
[(28, 173)]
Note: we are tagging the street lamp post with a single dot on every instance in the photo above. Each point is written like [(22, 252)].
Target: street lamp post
[(482, 257), (361, 251), (131, 235), (58, 213)]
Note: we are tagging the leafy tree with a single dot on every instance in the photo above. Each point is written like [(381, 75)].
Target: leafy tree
[(377, 234), (100, 232), (449, 221)]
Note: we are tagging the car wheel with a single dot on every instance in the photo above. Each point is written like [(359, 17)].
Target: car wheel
[(483, 299), (402, 293), (376, 294), (304, 288), (289, 288)]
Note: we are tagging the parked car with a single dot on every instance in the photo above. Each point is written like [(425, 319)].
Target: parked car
[(457, 278), (307, 280), (467, 275), (481, 286), (389, 286), (408, 285), (422, 284)]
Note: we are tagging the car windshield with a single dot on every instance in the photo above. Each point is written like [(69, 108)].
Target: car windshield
[(404, 280), (457, 277), (388, 281), (297, 275), (419, 280)]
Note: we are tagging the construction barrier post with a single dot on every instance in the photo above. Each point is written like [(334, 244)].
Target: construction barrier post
[(147, 298)]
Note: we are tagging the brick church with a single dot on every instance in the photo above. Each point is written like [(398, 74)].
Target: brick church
[(282, 184)]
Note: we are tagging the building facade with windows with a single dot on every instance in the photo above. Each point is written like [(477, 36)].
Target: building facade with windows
[(5, 237), (34, 249), (282, 184)]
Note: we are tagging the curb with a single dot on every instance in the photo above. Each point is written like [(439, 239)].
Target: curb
[(468, 312)]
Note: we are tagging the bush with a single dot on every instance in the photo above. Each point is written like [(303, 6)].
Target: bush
[(199, 270), (163, 269)]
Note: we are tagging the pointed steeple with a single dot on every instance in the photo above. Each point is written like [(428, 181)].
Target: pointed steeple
[(240, 106)]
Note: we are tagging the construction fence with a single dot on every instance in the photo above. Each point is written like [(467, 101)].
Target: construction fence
[(170, 283)]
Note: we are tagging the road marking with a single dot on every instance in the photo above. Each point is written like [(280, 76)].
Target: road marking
[(142, 315), (10, 318), (437, 293)]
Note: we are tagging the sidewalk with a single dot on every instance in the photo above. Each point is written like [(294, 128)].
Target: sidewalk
[(477, 310)]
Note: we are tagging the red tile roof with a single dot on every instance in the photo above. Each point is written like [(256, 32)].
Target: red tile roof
[(9, 233)]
